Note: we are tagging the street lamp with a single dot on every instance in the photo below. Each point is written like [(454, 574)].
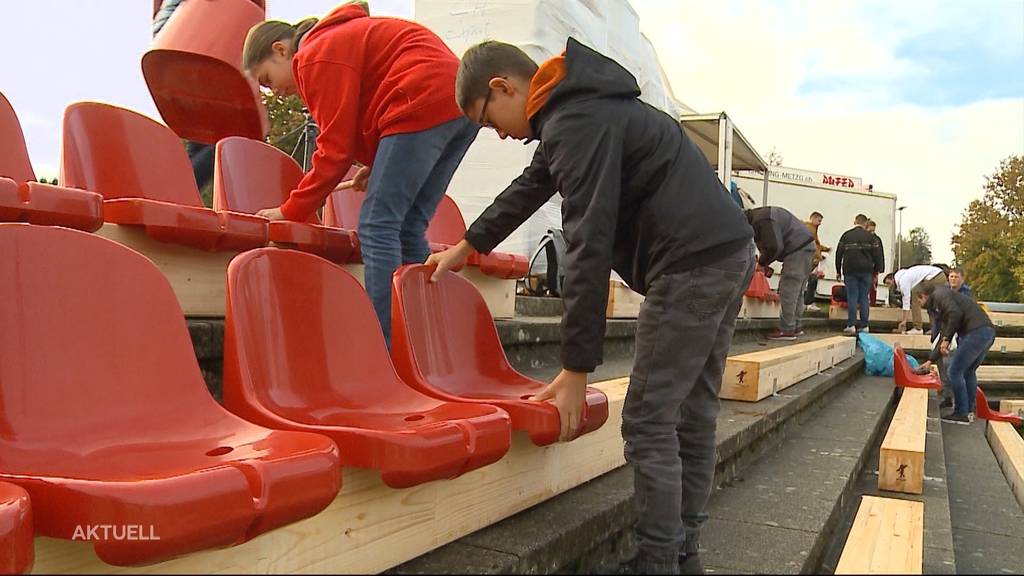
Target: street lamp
[(899, 239)]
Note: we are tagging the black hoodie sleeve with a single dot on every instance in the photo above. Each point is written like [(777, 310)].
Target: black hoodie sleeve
[(768, 240), (879, 255), (524, 196), (942, 302), (840, 252), (586, 160)]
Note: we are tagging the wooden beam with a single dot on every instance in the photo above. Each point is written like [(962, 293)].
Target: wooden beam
[(755, 308), (622, 301), (1013, 406), (1008, 447), (757, 375), (1001, 374), (370, 527), (196, 276), (887, 537), (1014, 319), (923, 342), (901, 461), (885, 314)]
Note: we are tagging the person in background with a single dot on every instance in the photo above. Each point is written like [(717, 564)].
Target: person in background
[(910, 281), (873, 296), (781, 237), (961, 316), (857, 258), (956, 282), (813, 222)]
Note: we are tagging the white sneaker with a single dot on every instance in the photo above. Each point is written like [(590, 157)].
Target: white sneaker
[(865, 330), (915, 332), (851, 330), (970, 416)]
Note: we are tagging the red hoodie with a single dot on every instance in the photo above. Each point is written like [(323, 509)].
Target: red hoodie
[(364, 78)]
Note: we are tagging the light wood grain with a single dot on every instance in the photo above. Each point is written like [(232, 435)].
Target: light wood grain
[(887, 537), (1008, 447), (757, 375), (370, 527), (901, 460), (756, 308), (877, 314), (923, 342), (622, 301), (1013, 406), (1000, 374)]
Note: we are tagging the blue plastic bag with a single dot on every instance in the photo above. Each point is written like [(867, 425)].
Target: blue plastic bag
[(878, 356)]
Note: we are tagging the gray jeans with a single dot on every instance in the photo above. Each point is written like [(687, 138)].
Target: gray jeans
[(796, 268), (683, 335)]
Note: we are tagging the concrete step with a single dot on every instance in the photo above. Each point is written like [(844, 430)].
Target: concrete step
[(938, 539), (589, 529)]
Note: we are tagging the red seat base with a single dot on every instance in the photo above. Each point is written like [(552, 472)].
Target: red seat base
[(17, 552), (46, 205), (334, 244), (194, 226), (905, 377), (983, 411)]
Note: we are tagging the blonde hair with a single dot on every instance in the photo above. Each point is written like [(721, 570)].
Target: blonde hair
[(260, 40)]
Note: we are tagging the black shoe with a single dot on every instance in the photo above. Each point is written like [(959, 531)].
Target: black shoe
[(946, 403), (690, 564), (958, 418)]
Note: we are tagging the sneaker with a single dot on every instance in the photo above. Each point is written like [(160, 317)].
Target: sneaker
[(690, 564), (957, 418), (915, 332), (800, 332), (851, 330), (865, 330), (970, 417), (782, 335)]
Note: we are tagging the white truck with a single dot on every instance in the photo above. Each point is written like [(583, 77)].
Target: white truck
[(838, 198)]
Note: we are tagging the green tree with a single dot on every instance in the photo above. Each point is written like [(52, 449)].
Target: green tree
[(916, 248), (990, 242), (287, 119)]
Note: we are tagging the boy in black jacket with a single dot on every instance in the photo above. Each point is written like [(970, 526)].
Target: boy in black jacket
[(858, 257), (640, 198)]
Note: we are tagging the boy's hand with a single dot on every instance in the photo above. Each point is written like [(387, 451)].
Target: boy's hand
[(453, 258), (272, 213), (361, 179), (568, 392), (901, 328), (924, 368), (944, 347)]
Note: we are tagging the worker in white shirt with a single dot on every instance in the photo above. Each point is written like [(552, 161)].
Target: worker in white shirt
[(909, 282)]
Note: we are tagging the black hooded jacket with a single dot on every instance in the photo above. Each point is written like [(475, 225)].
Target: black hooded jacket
[(638, 196)]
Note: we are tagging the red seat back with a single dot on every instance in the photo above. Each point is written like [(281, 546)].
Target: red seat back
[(123, 154), (14, 161), (342, 208), (251, 175), (447, 226), (194, 72), (92, 344), (985, 412), (301, 336), (448, 332)]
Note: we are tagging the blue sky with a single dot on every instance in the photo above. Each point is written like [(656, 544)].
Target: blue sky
[(920, 98)]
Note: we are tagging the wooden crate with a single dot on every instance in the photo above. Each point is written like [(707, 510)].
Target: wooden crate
[(757, 375), (901, 460)]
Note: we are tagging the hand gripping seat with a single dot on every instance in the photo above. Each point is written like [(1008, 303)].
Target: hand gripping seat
[(251, 175), (447, 228), (106, 420), (904, 375), (194, 73), (22, 199), (445, 344), (143, 173), (17, 548), (304, 351)]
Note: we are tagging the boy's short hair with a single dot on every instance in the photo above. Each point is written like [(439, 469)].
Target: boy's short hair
[(860, 220), (871, 223), (817, 215), (889, 276), (927, 289), (959, 271), (487, 60)]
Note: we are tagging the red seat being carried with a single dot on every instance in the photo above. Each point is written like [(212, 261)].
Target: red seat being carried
[(760, 289), (985, 412), (17, 548), (194, 72), (22, 199), (904, 375), (445, 344), (252, 175), (106, 419), (143, 173), (835, 301), (303, 351)]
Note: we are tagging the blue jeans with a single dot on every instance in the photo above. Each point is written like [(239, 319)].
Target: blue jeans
[(970, 352), (410, 175), (858, 288)]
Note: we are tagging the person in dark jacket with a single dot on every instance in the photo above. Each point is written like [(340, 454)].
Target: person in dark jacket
[(782, 237), (960, 316), (857, 258), (640, 198)]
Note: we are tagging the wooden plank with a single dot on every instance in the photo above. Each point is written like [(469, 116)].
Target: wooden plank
[(757, 375), (901, 460), (887, 537), (622, 301), (923, 342), (888, 314), (370, 527), (1013, 406), (1009, 319), (1008, 447), (196, 276), (1000, 374), (756, 308)]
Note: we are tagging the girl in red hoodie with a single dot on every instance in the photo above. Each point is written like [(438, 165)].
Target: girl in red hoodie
[(382, 91)]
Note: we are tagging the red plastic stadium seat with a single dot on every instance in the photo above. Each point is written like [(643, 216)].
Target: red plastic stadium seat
[(835, 301), (143, 173), (24, 200), (17, 551), (106, 419), (904, 375), (760, 289), (985, 412), (194, 72), (444, 343), (304, 351), (251, 175)]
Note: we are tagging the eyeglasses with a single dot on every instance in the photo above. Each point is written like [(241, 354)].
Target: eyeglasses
[(483, 109)]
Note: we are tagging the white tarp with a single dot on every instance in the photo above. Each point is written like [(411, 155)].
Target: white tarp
[(540, 28)]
